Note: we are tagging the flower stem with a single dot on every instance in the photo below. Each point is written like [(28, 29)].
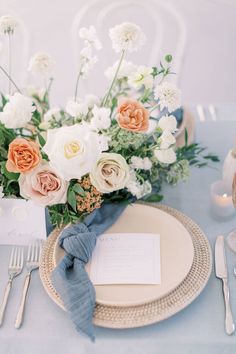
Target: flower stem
[(9, 61), (77, 84), (104, 101), (10, 79), (154, 107)]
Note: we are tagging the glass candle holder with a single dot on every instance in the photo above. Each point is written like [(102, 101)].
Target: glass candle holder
[(221, 200)]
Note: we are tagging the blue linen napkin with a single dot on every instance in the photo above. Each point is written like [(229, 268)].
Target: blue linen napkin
[(70, 278)]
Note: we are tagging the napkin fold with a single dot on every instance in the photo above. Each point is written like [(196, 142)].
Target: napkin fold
[(70, 278)]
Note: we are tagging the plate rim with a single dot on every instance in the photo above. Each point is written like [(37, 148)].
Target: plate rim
[(151, 299), (152, 310)]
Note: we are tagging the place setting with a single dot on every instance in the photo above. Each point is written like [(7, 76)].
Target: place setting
[(81, 187)]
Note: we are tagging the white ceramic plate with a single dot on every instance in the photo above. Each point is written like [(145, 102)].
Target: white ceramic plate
[(177, 254)]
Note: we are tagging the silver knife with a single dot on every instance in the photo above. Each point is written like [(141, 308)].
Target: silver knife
[(221, 272)]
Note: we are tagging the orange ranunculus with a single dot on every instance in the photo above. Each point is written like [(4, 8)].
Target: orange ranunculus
[(133, 116), (23, 155)]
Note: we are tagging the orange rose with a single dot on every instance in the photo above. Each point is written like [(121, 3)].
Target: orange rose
[(133, 116), (23, 155)]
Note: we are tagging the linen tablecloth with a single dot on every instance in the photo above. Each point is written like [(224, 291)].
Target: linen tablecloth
[(197, 329)]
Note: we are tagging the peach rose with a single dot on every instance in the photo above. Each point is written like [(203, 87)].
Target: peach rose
[(43, 185), (133, 116), (23, 155)]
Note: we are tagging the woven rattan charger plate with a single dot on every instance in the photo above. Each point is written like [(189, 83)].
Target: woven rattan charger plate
[(138, 316)]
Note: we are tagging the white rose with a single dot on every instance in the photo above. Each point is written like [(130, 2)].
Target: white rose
[(165, 156), (101, 118), (17, 112), (76, 108), (42, 64), (166, 139), (168, 123), (72, 150), (110, 173)]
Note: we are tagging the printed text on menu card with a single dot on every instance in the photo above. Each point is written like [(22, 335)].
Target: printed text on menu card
[(126, 259)]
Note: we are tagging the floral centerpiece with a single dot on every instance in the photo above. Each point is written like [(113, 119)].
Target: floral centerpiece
[(118, 147)]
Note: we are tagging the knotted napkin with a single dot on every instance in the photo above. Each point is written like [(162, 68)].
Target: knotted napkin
[(70, 278)]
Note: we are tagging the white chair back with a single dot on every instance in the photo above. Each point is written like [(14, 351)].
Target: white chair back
[(162, 24), (20, 55)]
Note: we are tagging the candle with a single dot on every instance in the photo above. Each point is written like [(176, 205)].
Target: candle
[(221, 199)]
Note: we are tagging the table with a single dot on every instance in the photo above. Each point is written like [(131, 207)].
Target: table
[(197, 329)]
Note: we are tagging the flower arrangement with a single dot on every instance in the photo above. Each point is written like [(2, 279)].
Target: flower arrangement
[(119, 147)]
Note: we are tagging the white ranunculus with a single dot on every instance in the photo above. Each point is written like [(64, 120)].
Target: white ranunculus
[(52, 114), (88, 60), (126, 36), (8, 24), (76, 108), (89, 35), (167, 156), (110, 173), (42, 64), (166, 139), (126, 69), (17, 112), (141, 77), (168, 96), (168, 123), (101, 118), (72, 150)]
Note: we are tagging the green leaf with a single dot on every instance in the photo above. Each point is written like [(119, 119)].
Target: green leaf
[(154, 198), (10, 175), (78, 189), (71, 197), (42, 141)]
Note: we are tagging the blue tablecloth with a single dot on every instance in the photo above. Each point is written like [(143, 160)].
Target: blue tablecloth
[(199, 329)]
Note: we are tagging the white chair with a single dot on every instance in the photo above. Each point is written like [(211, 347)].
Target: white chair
[(161, 22)]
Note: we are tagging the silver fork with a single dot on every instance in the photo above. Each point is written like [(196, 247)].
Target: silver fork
[(32, 263), (14, 269)]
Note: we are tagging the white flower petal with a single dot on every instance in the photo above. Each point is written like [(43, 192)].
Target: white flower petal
[(126, 36)]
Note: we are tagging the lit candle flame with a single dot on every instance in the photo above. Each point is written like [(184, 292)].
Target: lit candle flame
[(224, 195)]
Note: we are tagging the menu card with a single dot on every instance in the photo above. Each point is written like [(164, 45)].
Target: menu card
[(21, 222), (132, 258)]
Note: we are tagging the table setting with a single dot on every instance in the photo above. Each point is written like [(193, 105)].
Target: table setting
[(117, 212)]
